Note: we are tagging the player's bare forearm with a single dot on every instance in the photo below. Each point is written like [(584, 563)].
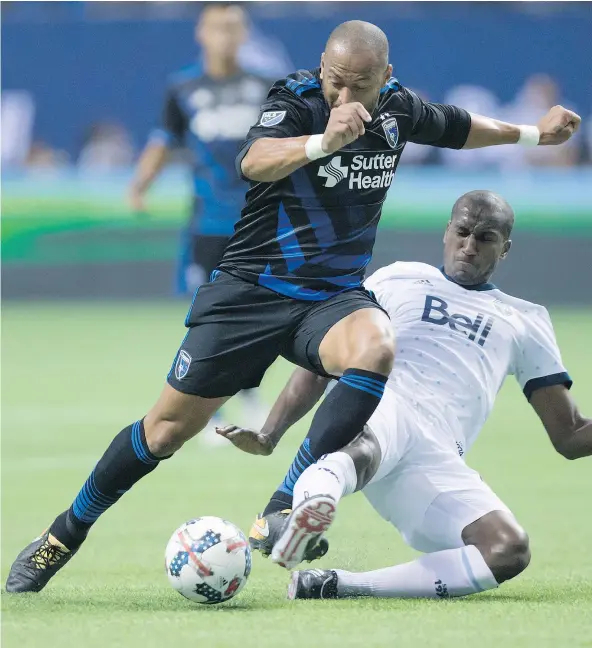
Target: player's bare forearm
[(486, 131), (556, 127), (298, 397), (578, 443), (151, 162), (271, 158), (569, 431)]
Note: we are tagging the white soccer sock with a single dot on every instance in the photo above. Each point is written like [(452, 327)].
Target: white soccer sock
[(334, 475), (453, 572)]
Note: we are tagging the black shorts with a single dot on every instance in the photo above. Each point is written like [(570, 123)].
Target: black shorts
[(237, 330)]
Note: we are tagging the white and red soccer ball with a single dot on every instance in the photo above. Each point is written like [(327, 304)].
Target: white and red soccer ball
[(208, 560)]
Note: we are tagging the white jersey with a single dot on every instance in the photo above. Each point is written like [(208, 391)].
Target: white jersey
[(455, 346)]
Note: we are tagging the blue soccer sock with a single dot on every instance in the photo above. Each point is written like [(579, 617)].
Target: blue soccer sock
[(339, 419), (125, 462)]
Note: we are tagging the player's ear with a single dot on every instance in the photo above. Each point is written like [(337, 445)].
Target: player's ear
[(388, 73), (322, 64), (506, 250), (446, 232)]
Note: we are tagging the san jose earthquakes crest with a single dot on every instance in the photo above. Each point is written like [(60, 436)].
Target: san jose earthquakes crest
[(391, 132), (182, 365)]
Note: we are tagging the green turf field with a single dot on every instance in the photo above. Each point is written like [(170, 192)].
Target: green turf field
[(74, 375)]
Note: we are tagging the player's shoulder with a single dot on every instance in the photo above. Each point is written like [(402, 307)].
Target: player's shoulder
[(530, 311), (395, 95), (404, 270), (298, 87), (303, 83), (187, 75)]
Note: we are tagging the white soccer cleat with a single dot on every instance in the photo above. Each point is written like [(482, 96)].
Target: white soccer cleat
[(307, 522)]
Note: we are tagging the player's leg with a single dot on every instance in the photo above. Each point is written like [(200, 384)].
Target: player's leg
[(468, 568), (317, 494), (348, 336), (371, 455), (502, 542), (472, 541), (184, 260), (134, 453), (203, 376)]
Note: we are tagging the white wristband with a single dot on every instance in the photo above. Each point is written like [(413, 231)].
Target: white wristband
[(529, 136), (314, 147)]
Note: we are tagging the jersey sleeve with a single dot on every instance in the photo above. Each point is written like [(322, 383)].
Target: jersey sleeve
[(282, 115), (539, 361), (439, 125), (174, 122)]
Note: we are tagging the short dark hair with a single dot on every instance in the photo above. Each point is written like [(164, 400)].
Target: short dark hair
[(360, 35), (488, 201)]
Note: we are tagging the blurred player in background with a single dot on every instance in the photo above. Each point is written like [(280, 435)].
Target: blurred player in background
[(458, 336), (209, 108)]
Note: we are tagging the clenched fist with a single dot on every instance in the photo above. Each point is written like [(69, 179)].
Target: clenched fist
[(346, 124), (557, 126)]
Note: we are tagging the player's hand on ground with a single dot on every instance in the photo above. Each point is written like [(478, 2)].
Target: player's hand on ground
[(247, 440), (558, 125), (346, 124), (136, 199)]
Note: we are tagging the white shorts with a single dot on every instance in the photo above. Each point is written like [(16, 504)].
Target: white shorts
[(423, 487)]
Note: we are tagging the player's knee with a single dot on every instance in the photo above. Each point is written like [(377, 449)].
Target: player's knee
[(365, 453), (508, 554), (165, 437), (376, 352)]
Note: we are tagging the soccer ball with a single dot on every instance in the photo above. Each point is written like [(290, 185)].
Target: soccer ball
[(208, 560)]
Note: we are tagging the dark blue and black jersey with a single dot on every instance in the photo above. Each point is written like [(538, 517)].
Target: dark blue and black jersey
[(310, 235), (211, 117)]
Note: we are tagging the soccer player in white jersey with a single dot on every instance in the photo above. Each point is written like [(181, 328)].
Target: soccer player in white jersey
[(458, 337)]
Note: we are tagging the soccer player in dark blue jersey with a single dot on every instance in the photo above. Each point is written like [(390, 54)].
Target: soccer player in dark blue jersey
[(320, 160)]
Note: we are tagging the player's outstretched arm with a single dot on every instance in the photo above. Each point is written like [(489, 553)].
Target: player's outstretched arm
[(272, 158), (556, 127), (569, 431), (298, 397)]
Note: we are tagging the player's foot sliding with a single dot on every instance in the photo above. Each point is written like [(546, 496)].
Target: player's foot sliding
[(267, 530), (36, 564), (313, 584), (303, 528)]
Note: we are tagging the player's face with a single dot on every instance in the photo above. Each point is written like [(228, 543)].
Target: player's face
[(473, 245), (347, 78), (221, 31)]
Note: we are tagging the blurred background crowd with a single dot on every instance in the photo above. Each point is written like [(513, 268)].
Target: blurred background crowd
[(74, 96), (121, 122)]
